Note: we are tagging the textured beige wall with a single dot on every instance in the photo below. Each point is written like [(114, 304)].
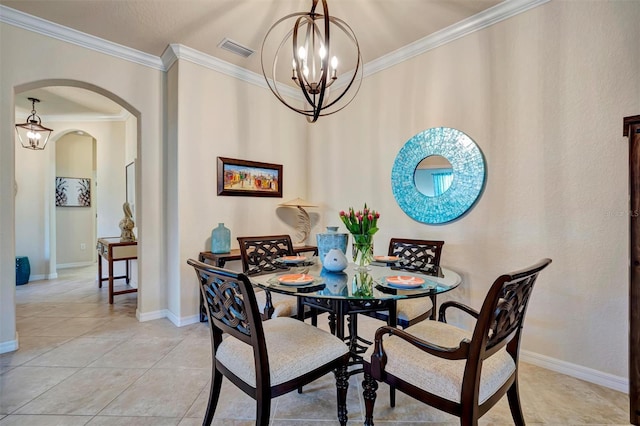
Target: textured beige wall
[(238, 120), (136, 86), (543, 94)]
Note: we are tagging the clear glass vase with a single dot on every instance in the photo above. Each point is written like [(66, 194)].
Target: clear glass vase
[(362, 250), (362, 284)]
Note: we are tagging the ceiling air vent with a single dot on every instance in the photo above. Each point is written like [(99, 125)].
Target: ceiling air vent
[(235, 47)]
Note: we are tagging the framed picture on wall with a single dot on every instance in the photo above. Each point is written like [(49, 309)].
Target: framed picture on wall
[(249, 178), (73, 192), (130, 175)]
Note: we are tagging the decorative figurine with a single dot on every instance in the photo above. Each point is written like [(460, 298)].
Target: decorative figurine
[(126, 224)]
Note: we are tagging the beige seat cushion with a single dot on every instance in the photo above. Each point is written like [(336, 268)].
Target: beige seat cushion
[(436, 375), (283, 305), (408, 309), (294, 348)]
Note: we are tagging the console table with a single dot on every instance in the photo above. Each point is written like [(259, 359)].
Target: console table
[(220, 259), (113, 250)]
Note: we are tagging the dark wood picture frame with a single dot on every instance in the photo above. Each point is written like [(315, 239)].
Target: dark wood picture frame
[(249, 178)]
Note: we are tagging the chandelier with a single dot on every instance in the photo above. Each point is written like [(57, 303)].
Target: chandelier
[(32, 134), (312, 61)]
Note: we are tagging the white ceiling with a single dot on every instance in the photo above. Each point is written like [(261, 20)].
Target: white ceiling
[(381, 26)]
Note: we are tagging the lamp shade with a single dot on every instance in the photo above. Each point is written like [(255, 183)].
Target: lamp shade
[(298, 202), (303, 227)]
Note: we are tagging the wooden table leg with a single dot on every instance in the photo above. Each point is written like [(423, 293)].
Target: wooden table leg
[(127, 273), (111, 282), (99, 271)]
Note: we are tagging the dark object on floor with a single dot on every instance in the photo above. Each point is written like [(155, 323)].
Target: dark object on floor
[(23, 270)]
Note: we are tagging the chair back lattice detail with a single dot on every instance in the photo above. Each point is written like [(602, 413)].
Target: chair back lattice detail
[(507, 302), (259, 253), (510, 309), (496, 335), (229, 301), (422, 255), (232, 308), (223, 298)]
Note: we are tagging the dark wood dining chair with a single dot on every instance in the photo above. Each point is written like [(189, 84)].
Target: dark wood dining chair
[(421, 256), (258, 256), (463, 373), (265, 359)]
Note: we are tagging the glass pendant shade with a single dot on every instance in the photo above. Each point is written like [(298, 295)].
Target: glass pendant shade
[(312, 46), (32, 134)]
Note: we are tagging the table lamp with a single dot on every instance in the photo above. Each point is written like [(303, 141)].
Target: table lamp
[(303, 227)]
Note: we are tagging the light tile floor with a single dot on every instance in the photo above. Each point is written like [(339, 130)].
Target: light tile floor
[(84, 362)]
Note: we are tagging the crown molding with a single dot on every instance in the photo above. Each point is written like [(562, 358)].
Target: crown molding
[(484, 19), (173, 52), (86, 117), (60, 32), (80, 117), (178, 51)]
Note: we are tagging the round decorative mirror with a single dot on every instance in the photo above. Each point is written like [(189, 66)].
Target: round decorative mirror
[(438, 175), (433, 175)]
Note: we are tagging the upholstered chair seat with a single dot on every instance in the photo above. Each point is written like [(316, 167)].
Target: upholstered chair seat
[(408, 309), (460, 372), (293, 347), (441, 376), (264, 359), (283, 306)]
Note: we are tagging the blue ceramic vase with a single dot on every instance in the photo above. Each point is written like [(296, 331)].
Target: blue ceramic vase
[(331, 240)]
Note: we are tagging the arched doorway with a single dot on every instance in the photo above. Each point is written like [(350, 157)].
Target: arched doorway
[(70, 107)]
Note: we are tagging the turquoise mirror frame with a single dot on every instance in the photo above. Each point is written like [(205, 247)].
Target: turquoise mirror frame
[(468, 167)]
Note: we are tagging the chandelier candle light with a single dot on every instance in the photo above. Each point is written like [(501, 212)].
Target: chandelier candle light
[(314, 64), (32, 134), (362, 224)]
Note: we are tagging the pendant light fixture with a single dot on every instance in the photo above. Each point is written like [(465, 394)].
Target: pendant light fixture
[(32, 134), (311, 48)]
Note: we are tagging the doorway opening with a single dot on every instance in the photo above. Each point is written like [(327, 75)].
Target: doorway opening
[(96, 135)]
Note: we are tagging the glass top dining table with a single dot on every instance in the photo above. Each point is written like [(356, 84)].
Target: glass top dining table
[(354, 291), (344, 295), (379, 282)]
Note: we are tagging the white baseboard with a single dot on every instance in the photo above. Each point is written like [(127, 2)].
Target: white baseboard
[(617, 383), (182, 321), (74, 265), (193, 319), (150, 316), (51, 276), (165, 313), (9, 346)]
